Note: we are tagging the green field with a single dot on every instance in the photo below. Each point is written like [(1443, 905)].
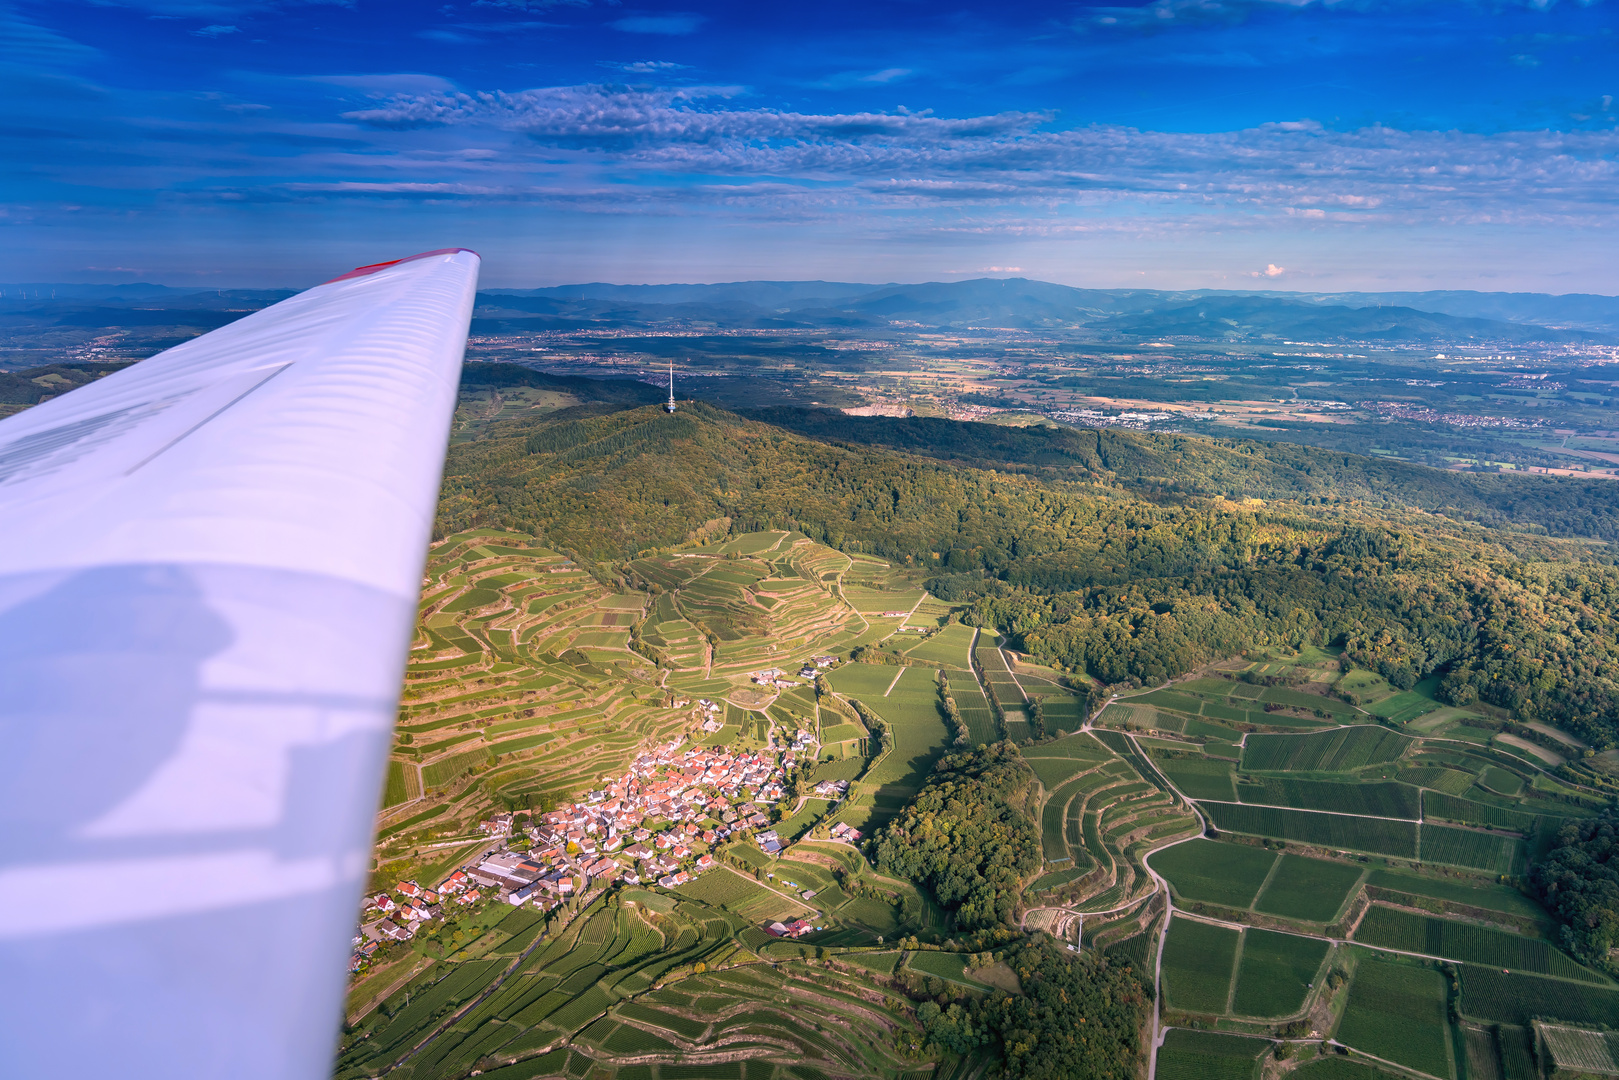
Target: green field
[(1276, 972), (975, 712), (1200, 778), (1404, 707), (1463, 847), (1054, 771), (1470, 891), (1341, 750), (1397, 1012), (947, 648), (1446, 807), (447, 769), (1491, 995), (1309, 889), (1208, 1055), (1197, 966), (1468, 942), (918, 728), (1377, 835), (1228, 874), (397, 788), (1501, 781), (1438, 778), (1385, 799), (1334, 1067)]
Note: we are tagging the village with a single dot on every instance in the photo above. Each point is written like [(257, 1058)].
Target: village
[(658, 825)]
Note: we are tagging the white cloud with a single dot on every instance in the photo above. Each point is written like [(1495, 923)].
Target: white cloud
[(25, 42), (643, 67), (845, 80), (216, 31), (1300, 170)]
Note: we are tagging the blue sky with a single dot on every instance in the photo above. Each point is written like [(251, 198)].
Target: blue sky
[(1371, 144)]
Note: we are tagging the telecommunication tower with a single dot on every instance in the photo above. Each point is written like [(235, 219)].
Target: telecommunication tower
[(670, 407)]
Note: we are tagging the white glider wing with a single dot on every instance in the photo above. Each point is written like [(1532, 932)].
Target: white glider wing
[(209, 570)]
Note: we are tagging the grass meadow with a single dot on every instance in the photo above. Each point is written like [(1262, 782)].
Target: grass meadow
[(1228, 874), (1379, 836), (1312, 890), (1397, 1012), (1197, 966), (1200, 778), (1464, 847), (1209, 1055), (1276, 972), (1339, 750), (1467, 942)]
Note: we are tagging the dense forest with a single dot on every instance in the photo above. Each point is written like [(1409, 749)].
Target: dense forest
[(1578, 880), (1077, 1016), (33, 385), (963, 838), (1233, 468), (1086, 574)]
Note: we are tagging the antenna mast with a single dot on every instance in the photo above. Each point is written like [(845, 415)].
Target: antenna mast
[(669, 408)]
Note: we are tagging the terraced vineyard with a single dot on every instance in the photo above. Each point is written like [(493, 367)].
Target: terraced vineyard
[(530, 678), (591, 995), (1298, 862), (1392, 826)]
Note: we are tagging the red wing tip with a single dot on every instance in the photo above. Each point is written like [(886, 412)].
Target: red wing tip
[(372, 268)]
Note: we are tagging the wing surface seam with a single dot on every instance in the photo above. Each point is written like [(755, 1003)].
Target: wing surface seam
[(149, 458)]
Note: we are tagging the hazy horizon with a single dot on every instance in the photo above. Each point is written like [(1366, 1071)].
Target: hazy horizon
[(1269, 290)]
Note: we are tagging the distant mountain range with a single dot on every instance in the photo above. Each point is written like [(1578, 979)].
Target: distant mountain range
[(1507, 318), (1026, 304)]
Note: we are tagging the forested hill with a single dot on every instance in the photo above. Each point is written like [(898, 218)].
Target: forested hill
[(1088, 577), (1233, 468)]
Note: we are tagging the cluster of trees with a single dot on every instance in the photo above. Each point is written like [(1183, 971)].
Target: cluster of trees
[(880, 736), (962, 838), (1578, 881), (1086, 576), (1077, 1016), (952, 715)]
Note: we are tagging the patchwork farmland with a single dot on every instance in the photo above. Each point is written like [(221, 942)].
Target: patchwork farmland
[(1294, 861)]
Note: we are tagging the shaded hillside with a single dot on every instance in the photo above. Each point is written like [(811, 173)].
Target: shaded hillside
[(1579, 311), (612, 391), (1088, 578), (1262, 316), (1234, 468)]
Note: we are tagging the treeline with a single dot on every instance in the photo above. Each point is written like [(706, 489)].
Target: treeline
[(952, 715), (1085, 577), (962, 838), (1536, 637), (33, 385), (1233, 468)]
